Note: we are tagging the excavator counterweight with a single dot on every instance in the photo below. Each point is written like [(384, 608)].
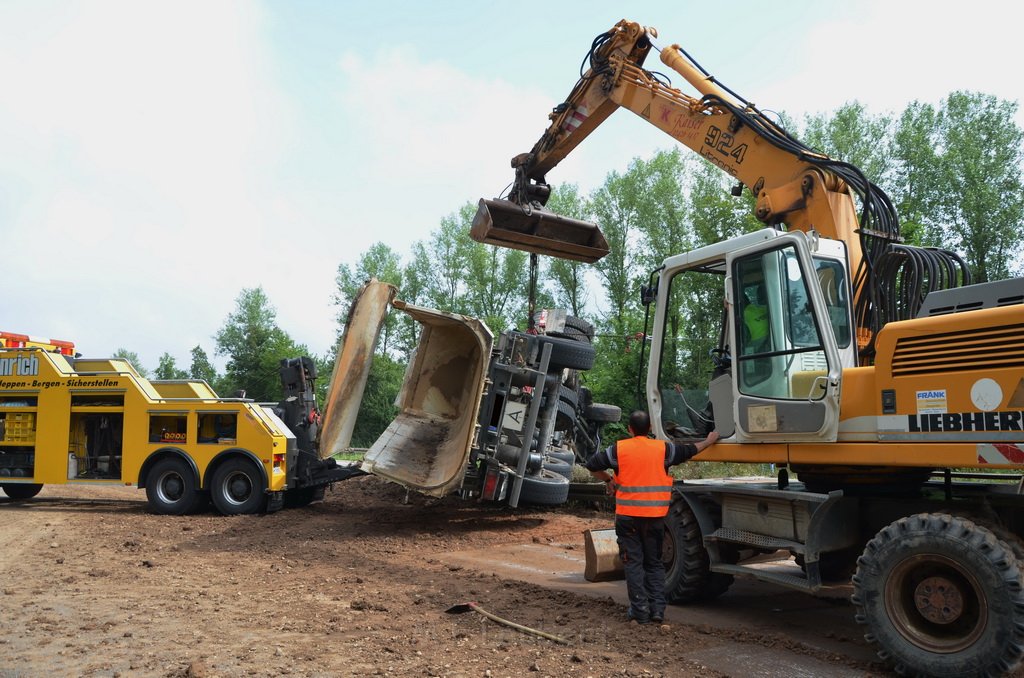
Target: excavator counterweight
[(535, 229)]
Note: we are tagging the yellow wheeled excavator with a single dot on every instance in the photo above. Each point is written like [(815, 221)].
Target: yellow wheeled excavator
[(891, 386)]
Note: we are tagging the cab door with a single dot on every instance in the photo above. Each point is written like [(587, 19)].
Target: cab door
[(786, 365)]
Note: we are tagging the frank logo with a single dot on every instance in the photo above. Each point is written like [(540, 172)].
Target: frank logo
[(19, 366)]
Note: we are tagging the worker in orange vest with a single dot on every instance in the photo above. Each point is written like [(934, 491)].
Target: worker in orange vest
[(643, 492)]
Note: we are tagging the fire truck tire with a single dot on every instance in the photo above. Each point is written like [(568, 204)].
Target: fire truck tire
[(688, 577), (19, 491), (568, 354), (942, 596), (171, 488), (559, 466), (547, 488), (237, 487)]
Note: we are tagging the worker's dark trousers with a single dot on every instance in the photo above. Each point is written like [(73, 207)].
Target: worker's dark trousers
[(640, 541)]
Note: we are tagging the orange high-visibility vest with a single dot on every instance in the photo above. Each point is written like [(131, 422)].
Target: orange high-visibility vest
[(645, 488)]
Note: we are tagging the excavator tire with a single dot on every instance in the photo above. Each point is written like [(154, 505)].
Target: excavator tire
[(688, 577), (941, 596)]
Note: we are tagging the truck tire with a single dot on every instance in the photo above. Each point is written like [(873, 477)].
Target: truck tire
[(941, 596), (566, 455), (559, 466), (568, 354), (568, 395), (571, 333), (237, 487), (580, 325), (21, 491), (544, 489), (602, 413), (172, 488), (688, 577), (565, 417)]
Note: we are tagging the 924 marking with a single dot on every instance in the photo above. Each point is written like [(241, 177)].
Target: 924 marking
[(722, 143)]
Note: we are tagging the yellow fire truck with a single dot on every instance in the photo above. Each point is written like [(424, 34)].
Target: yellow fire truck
[(66, 419)]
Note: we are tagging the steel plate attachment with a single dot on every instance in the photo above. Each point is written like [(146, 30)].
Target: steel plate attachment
[(532, 229)]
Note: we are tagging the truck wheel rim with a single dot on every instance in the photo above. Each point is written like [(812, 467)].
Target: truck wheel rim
[(936, 603), (236, 488), (170, 487)]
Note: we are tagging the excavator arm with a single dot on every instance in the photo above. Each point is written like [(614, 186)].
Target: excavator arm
[(795, 187)]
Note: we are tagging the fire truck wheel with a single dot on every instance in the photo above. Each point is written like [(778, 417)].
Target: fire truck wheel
[(171, 488), (237, 487), (942, 596), (20, 492)]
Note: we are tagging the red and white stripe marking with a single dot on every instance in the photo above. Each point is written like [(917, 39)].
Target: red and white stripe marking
[(1001, 453), (576, 119)]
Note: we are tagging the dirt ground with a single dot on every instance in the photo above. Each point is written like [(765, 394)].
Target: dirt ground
[(91, 584)]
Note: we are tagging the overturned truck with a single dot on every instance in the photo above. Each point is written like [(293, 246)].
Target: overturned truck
[(498, 419)]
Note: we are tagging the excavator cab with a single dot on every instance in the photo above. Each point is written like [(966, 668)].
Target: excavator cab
[(533, 228)]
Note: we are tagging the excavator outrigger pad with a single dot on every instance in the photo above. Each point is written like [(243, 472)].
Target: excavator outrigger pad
[(534, 229)]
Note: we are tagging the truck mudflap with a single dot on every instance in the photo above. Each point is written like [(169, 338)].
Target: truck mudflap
[(427, 446)]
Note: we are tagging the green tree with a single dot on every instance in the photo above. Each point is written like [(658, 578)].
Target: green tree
[(853, 135), (915, 184), (201, 368), (959, 173), (382, 263), (254, 346), (982, 198), (168, 370), (132, 358), (567, 278)]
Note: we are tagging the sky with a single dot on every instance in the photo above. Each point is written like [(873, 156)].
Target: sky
[(158, 158)]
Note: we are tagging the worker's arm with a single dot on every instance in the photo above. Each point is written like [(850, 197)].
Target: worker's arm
[(601, 467), (681, 452)]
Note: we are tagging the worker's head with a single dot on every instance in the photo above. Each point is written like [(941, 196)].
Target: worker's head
[(639, 423)]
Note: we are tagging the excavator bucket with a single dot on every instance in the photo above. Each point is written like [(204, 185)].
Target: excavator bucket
[(602, 553), (533, 229)]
